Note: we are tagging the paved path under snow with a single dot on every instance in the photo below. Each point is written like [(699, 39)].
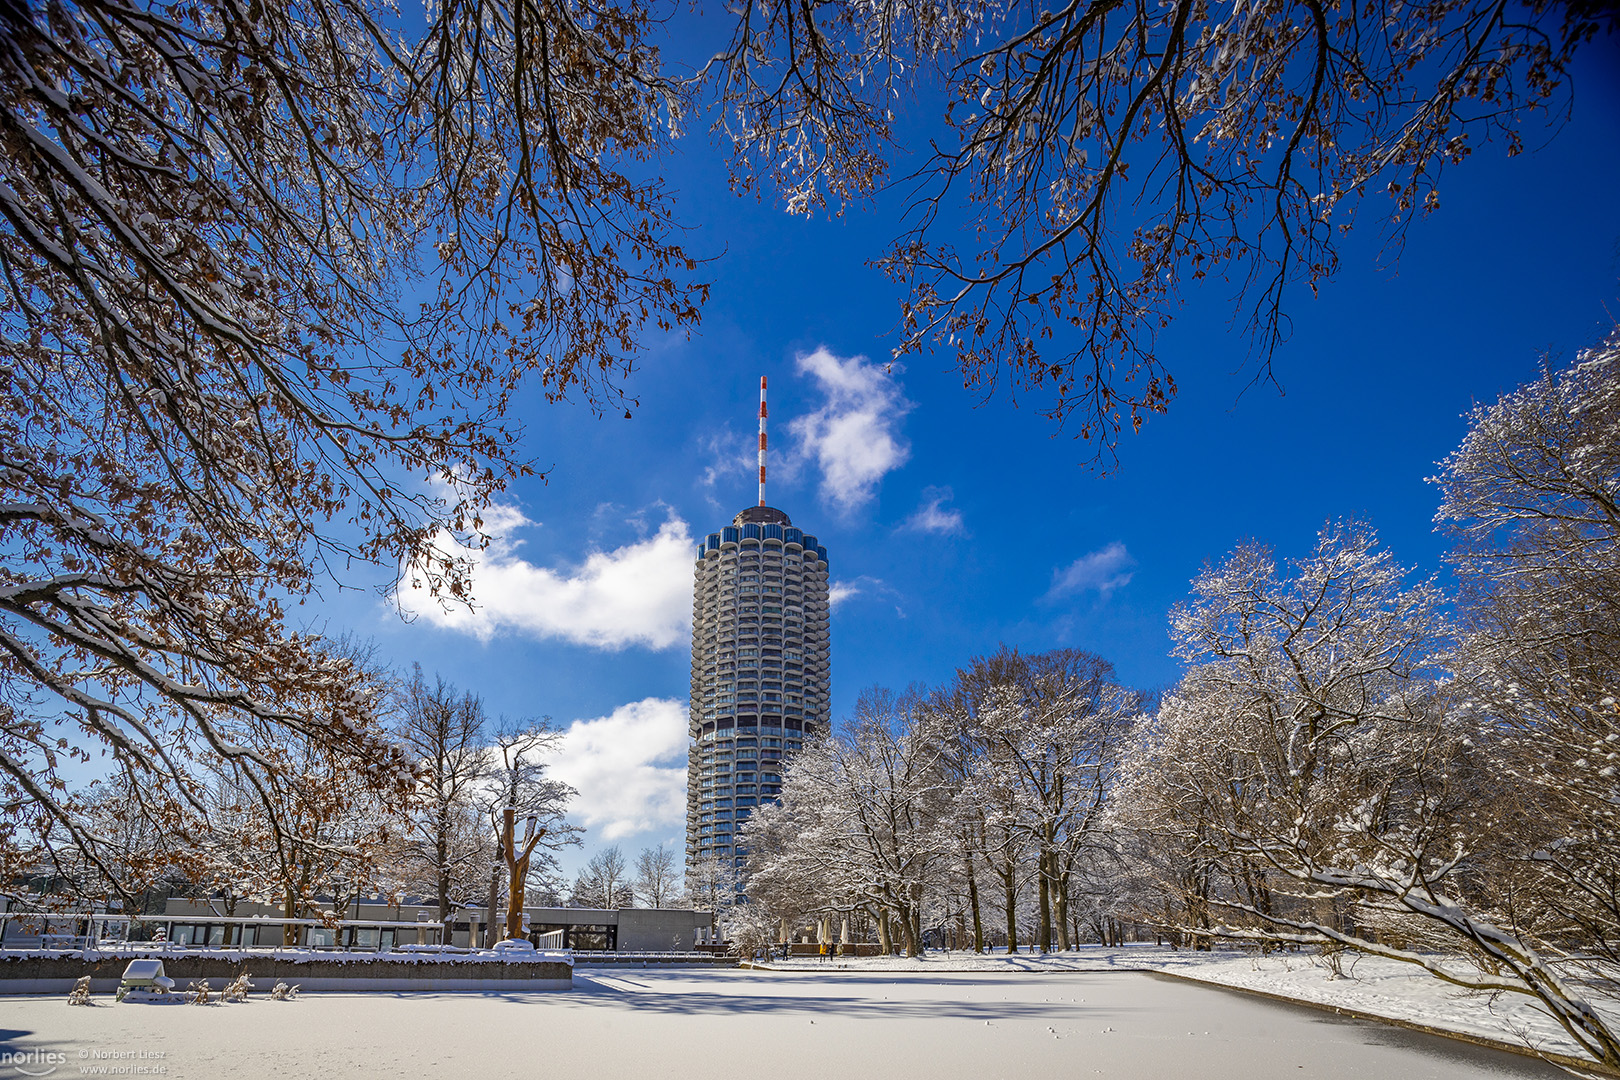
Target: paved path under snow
[(718, 1024)]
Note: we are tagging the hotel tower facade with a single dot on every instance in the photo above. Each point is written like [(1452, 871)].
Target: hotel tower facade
[(759, 668)]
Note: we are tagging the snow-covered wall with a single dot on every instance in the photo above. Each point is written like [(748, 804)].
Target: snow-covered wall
[(54, 973)]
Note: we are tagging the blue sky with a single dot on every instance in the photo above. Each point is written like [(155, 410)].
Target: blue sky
[(954, 525)]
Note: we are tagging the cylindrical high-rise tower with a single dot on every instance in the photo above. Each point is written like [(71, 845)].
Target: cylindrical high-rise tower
[(759, 672)]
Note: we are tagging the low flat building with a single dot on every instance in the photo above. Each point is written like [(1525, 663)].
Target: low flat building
[(204, 922)]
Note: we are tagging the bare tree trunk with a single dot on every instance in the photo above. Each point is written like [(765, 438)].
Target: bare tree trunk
[(289, 910), (233, 934), (1044, 936), (494, 899), (885, 943), (514, 901), (973, 902), (908, 931), (1060, 914), (1010, 891), (444, 908)]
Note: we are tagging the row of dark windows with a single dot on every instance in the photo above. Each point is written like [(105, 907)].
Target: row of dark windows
[(789, 722)]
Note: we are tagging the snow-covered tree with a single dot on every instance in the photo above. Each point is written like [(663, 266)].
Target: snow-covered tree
[(786, 882), (712, 884), (228, 863), (1047, 731), (657, 883), (297, 826), (986, 815), (312, 852), (1532, 497), (966, 820), (445, 849), (1317, 740), (526, 809), (144, 852), (1169, 810), (604, 882), (752, 928), (147, 859), (867, 810)]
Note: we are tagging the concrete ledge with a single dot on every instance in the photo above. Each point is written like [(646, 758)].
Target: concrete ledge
[(32, 987), (611, 960), (56, 975)]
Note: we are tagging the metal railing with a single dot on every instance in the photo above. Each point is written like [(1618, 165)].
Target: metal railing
[(109, 932)]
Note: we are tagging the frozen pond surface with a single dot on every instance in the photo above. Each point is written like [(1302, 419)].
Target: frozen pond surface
[(715, 1024)]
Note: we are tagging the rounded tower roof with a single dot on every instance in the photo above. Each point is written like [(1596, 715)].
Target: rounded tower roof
[(761, 515)]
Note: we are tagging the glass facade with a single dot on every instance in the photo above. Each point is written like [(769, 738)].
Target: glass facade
[(760, 671), (581, 938)]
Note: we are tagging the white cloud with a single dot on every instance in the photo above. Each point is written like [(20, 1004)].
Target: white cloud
[(1104, 570), (629, 768), (733, 459), (637, 594), (853, 436), (932, 514), (874, 588)]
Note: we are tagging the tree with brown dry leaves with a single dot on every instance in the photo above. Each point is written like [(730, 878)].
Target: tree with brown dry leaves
[(267, 268), (264, 270), (1098, 157)]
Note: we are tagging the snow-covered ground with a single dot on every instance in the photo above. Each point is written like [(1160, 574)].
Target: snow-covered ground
[(1369, 984), (711, 1024)]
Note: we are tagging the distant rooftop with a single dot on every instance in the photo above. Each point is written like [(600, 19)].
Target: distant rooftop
[(761, 515)]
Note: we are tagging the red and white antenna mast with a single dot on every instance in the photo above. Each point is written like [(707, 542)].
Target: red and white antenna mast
[(762, 440)]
